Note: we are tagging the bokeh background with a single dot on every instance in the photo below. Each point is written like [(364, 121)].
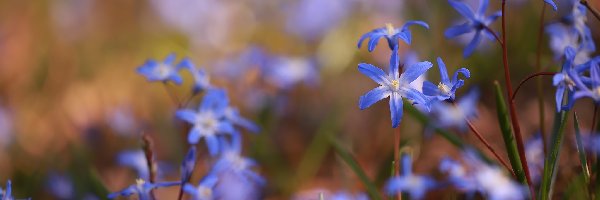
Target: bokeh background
[(70, 99)]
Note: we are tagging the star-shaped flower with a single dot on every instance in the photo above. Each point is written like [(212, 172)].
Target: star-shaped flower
[(394, 85), (447, 87), (475, 22), (209, 120), (161, 71), (391, 34), (415, 185)]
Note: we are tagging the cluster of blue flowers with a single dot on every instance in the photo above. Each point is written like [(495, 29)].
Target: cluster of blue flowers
[(214, 121)]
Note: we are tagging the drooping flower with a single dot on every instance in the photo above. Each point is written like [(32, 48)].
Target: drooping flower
[(564, 81), (204, 190), (447, 87), (391, 34), (208, 121), (201, 79), (455, 115), (415, 185), (142, 189), (394, 85), (161, 71), (475, 22)]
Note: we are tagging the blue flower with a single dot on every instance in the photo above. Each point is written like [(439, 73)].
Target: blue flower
[(449, 115), (475, 22), (287, 72), (142, 189), (551, 3), (208, 121), (60, 186), (447, 87), (572, 31), (591, 88), (204, 190), (394, 86), (233, 115), (391, 34), (534, 152), (414, 185), (311, 19), (157, 71), (231, 162), (6, 194), (188, 165), (201, 79)]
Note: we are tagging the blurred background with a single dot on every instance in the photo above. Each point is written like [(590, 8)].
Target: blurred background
[(71, 101)]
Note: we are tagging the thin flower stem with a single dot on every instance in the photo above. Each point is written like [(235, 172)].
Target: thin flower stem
[(149, 153), (397, 156), (591, 9), (494, 34), (527, 79), (540, 84), (489, 147), (594, 118), (172, 95), (513, 114)]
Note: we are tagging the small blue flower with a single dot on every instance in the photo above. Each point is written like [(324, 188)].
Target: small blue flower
[(311, 19), (394, 86), (142, 189), (233, 163), (188, 165), (233, 115), (208, 121), (551, 3), (391, 34), (591, 89), (204, 190), (534, 152), (475, 22), (449, 115), (447, 87), (60, 186), (157, 71), (201, 78), (414, 185), (286, 72)]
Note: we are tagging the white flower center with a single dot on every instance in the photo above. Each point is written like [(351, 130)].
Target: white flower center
[(596, 93), (444, 89), (163, 70), (205, 192), (395, 85), (568, 81), (207, 121), (390, 29)]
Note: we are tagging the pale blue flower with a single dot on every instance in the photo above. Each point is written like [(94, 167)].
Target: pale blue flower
[(415, 185), (142, 189), (447, 87), (391, 34), (476, 21), (161, 71), (204, 190)]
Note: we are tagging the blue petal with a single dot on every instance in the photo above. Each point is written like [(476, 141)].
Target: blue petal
[(552, 4), (396, 109), (410, 23), (394, 64), (213, 144), (362, 38), (443, 71), (430, 89), (463, 71), (472, 45), (557, 79), (414, 71), (595, 76), (458, 30), (215, 100), (225, 127), (187, 64), (405, 34), (190, 189), (469, 102), (493, 17), (176, 78), (406, 165), (194, 135), (375, 73), (373, 41), (560, 90), (170, 59), (570, 53), (186, 115), (373, 96), (463, 9), (482, 7), (417, 97)]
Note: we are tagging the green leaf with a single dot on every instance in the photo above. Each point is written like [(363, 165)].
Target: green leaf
[(347, 157), (550, 167), (582, 159), (507, 135)]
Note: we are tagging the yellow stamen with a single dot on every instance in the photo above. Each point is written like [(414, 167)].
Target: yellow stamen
[(390, 28)]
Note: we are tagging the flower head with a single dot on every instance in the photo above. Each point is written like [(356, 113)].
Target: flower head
[(136, 159), (204, 190), (161, 71), (475, 22), (447, 87), (391, 34), (6, 194), (394, 85), (591, 88), (231, 162), (209, 120), (415, 185), (233, 115), (142, 188)]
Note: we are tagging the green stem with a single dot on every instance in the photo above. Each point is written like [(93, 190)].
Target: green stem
[(550, 164)]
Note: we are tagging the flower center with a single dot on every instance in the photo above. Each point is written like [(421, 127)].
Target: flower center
[(395, 85), (596, 92), (390, 28), (205, 192), (163, 70), (207, 122), (568, 81), (444, 89)]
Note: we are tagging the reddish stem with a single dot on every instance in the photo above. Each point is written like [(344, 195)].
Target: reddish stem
[(487, 144), (149, 154), (527, 79), (513, 114), (591, 9)]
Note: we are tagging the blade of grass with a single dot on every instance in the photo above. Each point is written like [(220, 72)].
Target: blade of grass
[(550, 168), (582, 158), (347, 157), (507, 135)]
